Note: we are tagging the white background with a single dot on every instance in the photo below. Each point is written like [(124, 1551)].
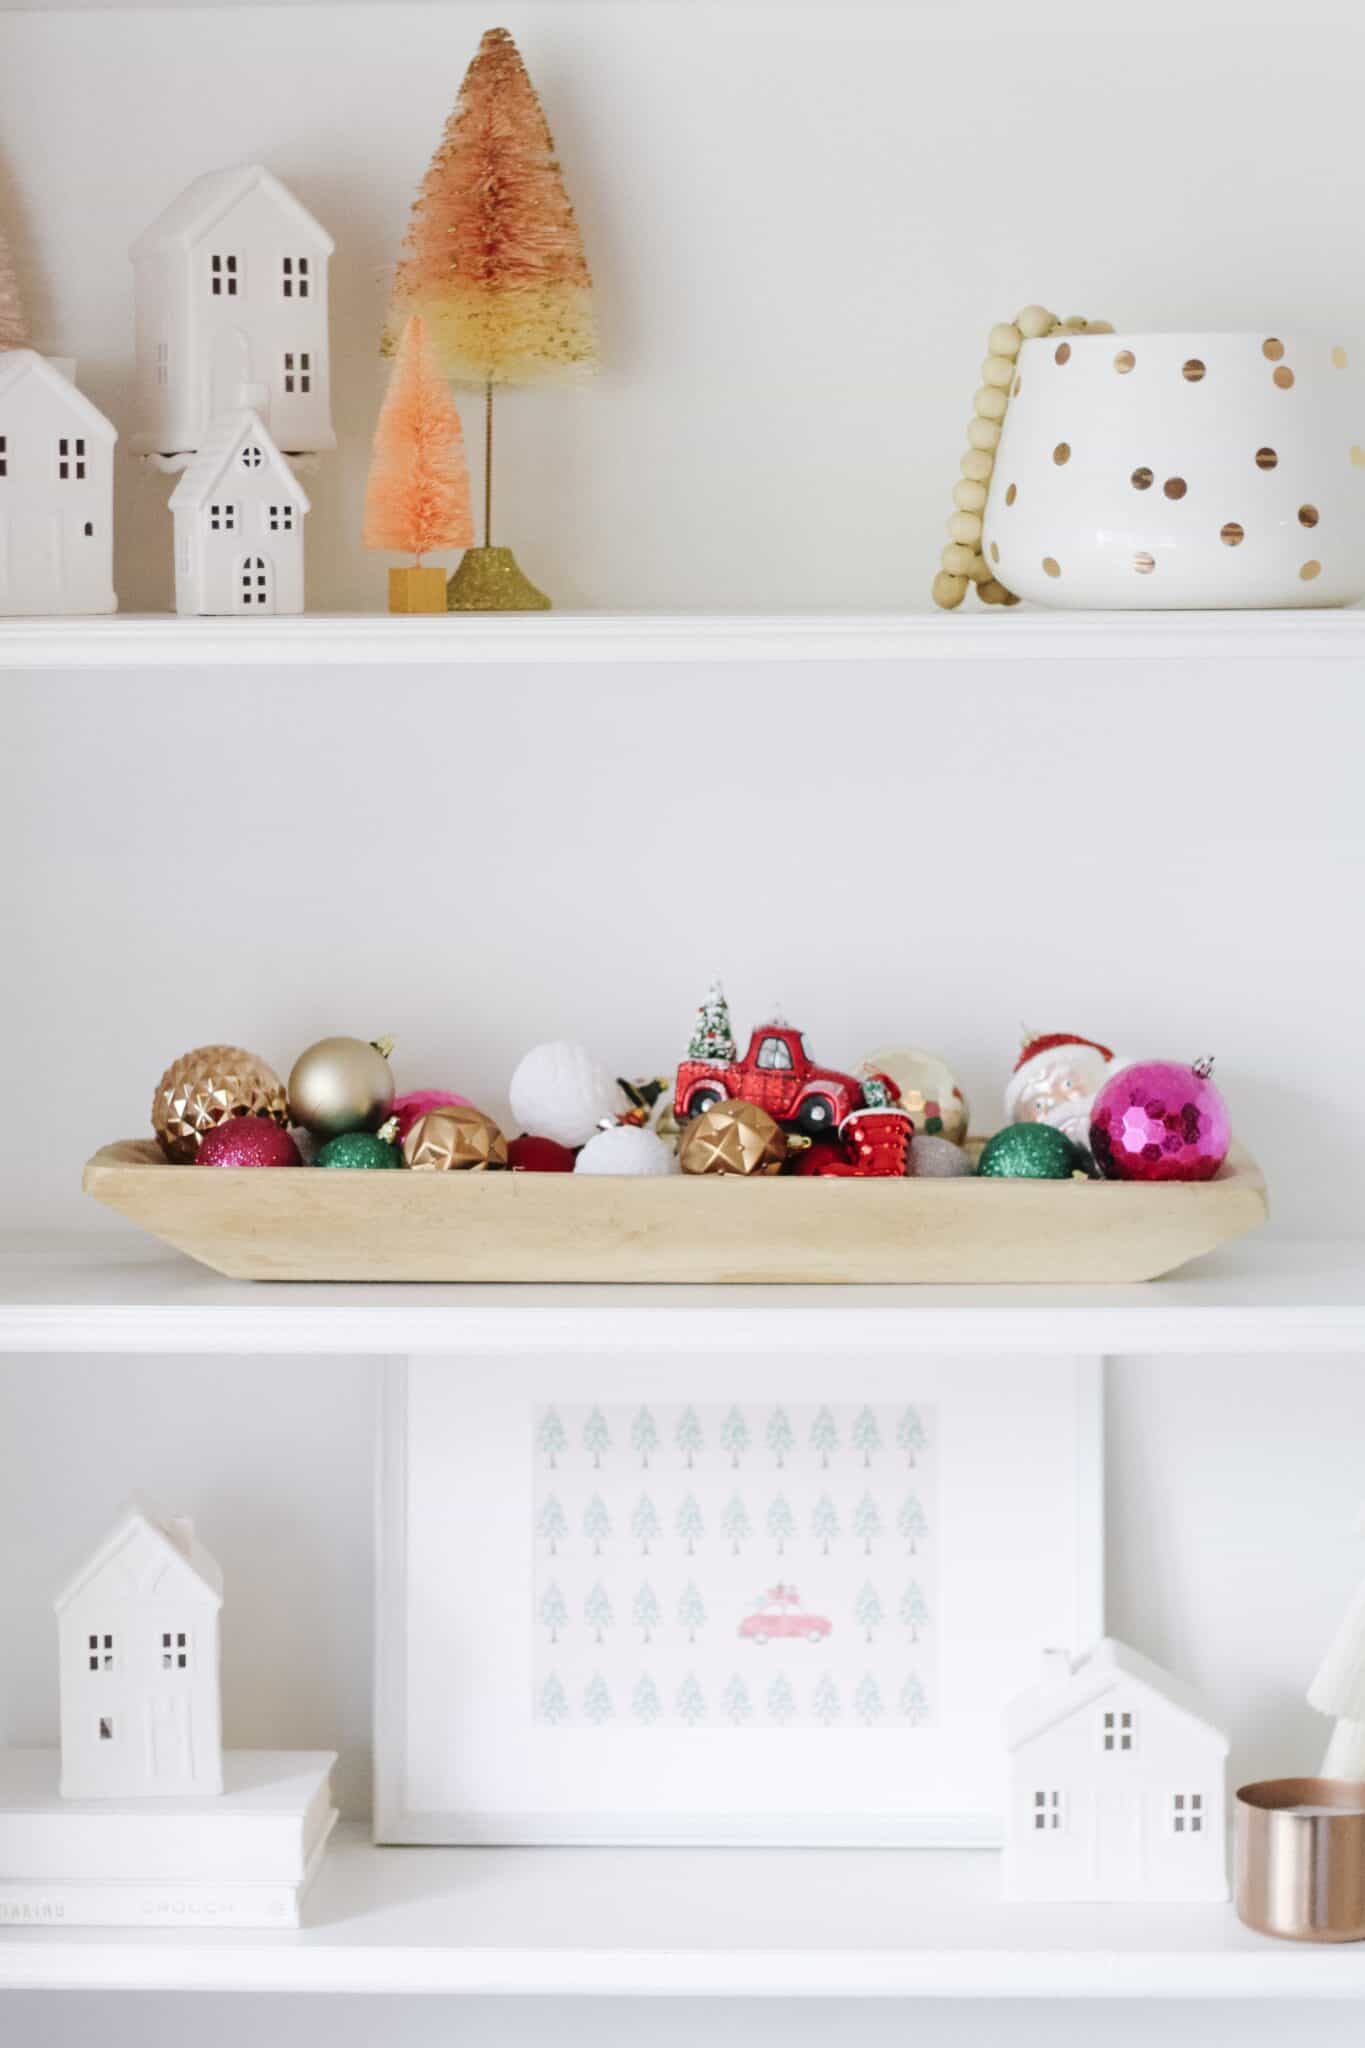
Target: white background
[(802, 223)]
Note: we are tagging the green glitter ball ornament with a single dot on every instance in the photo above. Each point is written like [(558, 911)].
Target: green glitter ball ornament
[(1030, 1152), (363, 1148)]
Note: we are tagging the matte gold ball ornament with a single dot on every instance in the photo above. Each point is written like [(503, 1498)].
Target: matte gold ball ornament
[(203, 1088), (735, 1137), (341, 1084), (456, 1137)]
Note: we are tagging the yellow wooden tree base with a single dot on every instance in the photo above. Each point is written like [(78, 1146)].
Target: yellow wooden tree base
[(417, 590), (488, 580)]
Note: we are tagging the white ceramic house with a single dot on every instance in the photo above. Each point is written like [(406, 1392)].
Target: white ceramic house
[(230, 289), (56, 492), (239, 511), (137, 1631), (1116, 1784)]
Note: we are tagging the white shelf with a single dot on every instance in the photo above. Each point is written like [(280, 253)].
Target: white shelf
[(326, 640), (723, 1923), (119, 1293)]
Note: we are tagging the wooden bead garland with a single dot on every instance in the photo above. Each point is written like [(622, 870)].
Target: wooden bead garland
[(962, 560)]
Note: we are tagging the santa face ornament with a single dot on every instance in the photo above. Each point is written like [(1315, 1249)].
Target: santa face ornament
[(1056, 1079)]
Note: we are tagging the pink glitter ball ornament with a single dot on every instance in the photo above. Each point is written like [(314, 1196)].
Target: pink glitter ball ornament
[(1159, 1120), (248, 1141), (407, 1108)]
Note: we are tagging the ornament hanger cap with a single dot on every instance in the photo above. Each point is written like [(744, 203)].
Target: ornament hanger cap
[(383, 1046)]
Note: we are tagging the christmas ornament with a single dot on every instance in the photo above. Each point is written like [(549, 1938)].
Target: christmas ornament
[(1055, 1080), (776, 1073), (626, 1149), (530, 1154), (733, 1137), (405, 1109), (560, 1092), (646, 1099), (928, 1090), (713, 1036), (362, 1148), (248, 1141), (1030, 1152), (458, 1137), (341, 1084), (203, 1088), (934, 1158), (876, 1140), (1159, 1120)]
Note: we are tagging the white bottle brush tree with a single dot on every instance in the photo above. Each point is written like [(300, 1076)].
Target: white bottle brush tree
[(713, 1035), (1339, 1690)]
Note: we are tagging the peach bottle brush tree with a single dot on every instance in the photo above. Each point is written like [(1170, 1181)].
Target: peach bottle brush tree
[(13, 327), (417, 496), (494, 262)]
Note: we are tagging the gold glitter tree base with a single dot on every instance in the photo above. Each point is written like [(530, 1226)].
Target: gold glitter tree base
[(488, 580)]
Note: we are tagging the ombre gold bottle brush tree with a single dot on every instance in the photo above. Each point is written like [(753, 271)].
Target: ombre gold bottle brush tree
[(494, 262)]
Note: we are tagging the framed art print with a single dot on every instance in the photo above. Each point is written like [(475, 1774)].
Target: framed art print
[(758, 1599)]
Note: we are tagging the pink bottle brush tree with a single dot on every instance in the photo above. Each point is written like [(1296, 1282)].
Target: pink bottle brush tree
[(13, 326), (417, 497)]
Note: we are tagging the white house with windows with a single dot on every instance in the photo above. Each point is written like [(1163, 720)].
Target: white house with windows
[(239, 511), (56, 492), (137, 1632), (230, 289), (1116, 1784)]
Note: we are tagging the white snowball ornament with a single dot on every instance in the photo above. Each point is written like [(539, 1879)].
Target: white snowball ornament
[(560, 1092), (627, 1149)]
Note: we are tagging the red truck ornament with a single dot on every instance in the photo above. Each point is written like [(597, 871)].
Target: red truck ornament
[(779, 1075)]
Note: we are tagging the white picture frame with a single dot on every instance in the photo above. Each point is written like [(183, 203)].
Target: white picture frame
[(463, 1753)]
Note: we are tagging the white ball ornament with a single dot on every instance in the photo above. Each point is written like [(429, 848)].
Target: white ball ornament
[(627, 1149), (559, 1091)]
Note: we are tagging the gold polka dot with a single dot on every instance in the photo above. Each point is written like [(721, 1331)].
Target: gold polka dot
[(1284, 376), (1061, 453), (1310, 570), (1124, 361), (1144, 564), (1358, 456), (1175, 487), (1051, 568), (1308, 515), (1266, 458), (1011, 494), (1272, 350), (1231, 535), (1192, 371), (1062, 353), (1340, 357), (995, 551), (1141, 479)]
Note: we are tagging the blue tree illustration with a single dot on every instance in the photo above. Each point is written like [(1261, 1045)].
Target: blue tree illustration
[(781, 1523), (554, 1611), (551, 1527), (867, 1699), (691, 1611), (644, 1436), (645, 1525), (645, 1703), (687, 1435), (911, 1523), (735, 1703), (690, 1525), (824, 1701), (824, 1436), (550, 1437), (914, 1609), (824, 1523), (734, 1523), (911, 1435), (691, 1701), (597, 1612), (596, 1523), (867, 1522), (553, 1703), (734, 1436), (867, 1438), (646, 1611), (913, 1703), (781, 1438), (596, 1436), (781, 1700), (867, 1611), (597, 1700)]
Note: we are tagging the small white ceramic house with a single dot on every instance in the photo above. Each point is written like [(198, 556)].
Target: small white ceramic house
[(239, 511), (137, 1632), (1116, 1784), (230, 289), (56, 492)]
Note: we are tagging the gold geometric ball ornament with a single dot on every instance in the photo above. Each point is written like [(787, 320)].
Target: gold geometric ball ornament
[(733, 1137), (203, 1088)]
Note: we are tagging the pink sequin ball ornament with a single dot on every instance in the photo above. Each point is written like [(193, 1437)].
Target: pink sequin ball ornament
[(247, 1141), (407, 1108), (1159, 1120)]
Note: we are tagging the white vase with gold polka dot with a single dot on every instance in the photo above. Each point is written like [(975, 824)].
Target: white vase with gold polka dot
[(1182, 471)]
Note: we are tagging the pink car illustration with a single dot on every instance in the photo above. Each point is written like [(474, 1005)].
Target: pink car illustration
[(779, 1615)]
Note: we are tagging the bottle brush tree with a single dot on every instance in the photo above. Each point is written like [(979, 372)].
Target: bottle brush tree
[(417, 496), (13, 326), (1338, 1689)]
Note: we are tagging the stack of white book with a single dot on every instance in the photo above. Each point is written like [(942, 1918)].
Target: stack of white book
[(243, 1859)]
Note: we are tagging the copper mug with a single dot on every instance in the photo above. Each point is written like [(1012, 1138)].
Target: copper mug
[(1300, 1858)]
